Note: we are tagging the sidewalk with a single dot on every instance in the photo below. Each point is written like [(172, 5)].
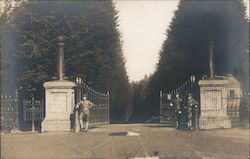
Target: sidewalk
[(150, 140)]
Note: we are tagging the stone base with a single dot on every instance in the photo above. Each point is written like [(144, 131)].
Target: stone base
[(59, 103), (55, 125), (214, 122)]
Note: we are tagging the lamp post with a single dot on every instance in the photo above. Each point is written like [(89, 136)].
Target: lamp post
[(32, 91), (78, 98), (16, 121), (192, 79), (196, 108), (78, 83)]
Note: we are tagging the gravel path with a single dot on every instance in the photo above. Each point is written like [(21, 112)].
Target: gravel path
[(98, 143)]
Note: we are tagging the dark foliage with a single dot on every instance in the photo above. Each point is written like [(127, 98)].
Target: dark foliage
[(92, 47), (185, 51)]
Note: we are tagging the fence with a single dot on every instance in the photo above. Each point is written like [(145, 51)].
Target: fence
[(100, 113), (33, 111), (169, 114), (167, 110), (238, 110), (9, 112)]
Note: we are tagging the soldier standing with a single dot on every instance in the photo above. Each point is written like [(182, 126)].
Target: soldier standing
[(83, 106), (177, 104), (190, 103)]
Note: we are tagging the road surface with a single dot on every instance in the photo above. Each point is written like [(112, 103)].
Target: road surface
[(152, 141)]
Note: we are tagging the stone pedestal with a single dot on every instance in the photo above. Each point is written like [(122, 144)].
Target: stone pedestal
[(59, 103), (213, 102)]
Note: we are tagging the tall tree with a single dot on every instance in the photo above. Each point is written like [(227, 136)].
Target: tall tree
[(185, 51), (141, 109), (92, 46)]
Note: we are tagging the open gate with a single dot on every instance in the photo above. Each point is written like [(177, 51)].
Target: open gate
[(168, 106), (167, 110), (100, 113)]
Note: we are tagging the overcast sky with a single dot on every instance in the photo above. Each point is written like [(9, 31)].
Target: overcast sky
[(143, 25)]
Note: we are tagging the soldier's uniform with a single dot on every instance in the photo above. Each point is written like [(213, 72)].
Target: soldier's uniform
[(177, 104), (190, 103), (84, 106)]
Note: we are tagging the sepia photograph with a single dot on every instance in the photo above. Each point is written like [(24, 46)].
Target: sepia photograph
[(124, 79)]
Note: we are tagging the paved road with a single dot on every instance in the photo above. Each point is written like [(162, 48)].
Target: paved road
[(97, 143)]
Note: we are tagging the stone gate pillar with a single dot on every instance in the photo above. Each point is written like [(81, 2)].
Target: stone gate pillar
[(213, 104), (59, 98)]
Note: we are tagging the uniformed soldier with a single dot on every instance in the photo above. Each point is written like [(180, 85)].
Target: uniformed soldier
[(177, 104), (190, 103), (83, 106)]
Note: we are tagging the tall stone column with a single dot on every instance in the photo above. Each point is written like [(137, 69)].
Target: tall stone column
[(211, 60), (59, 98), (60, 61)]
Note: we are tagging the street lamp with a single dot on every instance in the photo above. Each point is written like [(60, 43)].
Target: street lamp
[(192, 79), (78, 82), (196, 108), (32, 93)]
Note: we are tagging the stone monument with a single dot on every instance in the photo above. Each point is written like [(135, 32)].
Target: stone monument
[(213, 99), (59, 97)]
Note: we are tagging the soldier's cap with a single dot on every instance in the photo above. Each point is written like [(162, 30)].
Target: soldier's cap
[(85, 95)]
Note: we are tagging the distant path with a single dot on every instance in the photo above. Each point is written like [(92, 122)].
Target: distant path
[(97, 143)]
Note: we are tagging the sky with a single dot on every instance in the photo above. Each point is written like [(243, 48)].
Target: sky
[(143, 25)]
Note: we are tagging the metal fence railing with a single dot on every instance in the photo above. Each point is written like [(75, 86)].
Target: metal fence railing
[(238, 110), (176, 111), (9, 112), (100, 113)]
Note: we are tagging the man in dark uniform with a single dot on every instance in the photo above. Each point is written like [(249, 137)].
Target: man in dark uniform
[(190, 103), (84, 105), (177, 104)]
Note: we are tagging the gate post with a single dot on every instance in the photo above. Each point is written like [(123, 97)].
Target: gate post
[(33, 113), (108, 107), (196, 110), (160, 108), (76, 121), (16, 111)]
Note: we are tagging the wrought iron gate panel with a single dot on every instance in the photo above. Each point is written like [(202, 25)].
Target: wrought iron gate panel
[(238, 110), (33, 109), (100, 113), (9, 112), (167, 111)]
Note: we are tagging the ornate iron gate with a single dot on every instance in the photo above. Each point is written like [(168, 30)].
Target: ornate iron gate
[(9, 112), (167, 110), (100, 113), (238, 110), (33, 112), (170, 113)]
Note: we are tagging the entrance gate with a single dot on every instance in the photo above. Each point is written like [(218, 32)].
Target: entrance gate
[(238, 110), (100, 113), (167, 112), (9, 112), (33, 112)]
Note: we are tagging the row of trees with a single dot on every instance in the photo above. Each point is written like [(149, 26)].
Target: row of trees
[(186, 48), (185, 51), (92, 47)]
